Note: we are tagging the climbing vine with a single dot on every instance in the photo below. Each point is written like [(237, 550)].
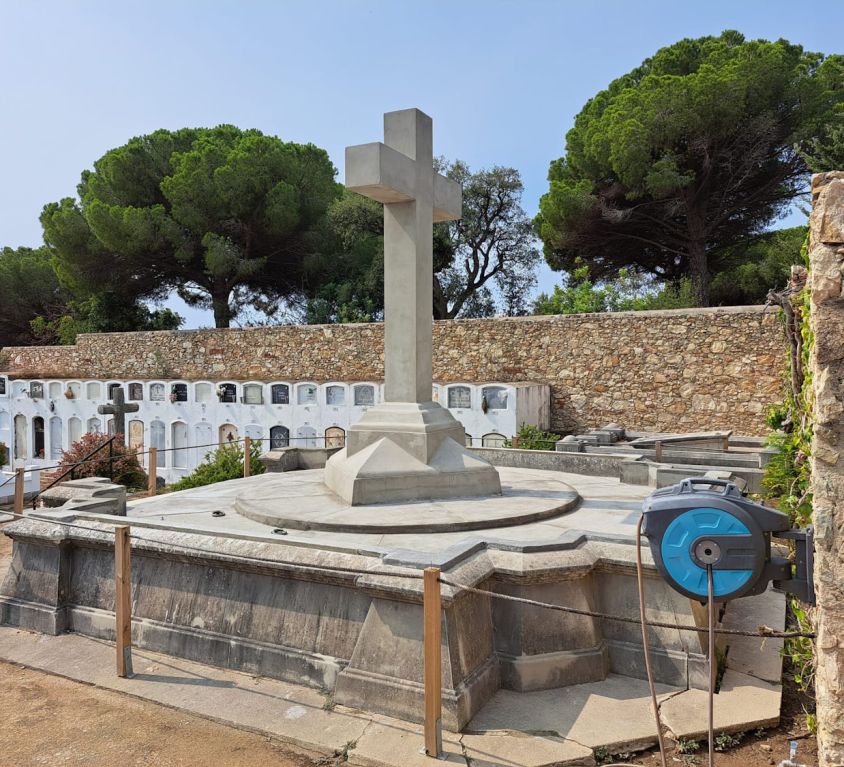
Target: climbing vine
[(787, 477)]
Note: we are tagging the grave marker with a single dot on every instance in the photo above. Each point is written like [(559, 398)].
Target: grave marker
[(118, 409)]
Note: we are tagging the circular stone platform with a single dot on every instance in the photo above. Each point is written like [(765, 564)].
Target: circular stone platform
[(299, 500)]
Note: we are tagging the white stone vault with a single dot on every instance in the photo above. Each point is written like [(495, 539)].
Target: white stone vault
[(408, 447)]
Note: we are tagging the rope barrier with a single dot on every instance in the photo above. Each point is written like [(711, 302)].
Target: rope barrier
[(762, 632), (128, 456)]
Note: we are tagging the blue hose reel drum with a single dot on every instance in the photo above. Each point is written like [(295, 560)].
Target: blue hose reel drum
[(702, 523)]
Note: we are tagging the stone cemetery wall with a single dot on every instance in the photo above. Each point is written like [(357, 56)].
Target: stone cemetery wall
[(826, 256), (681, 370)]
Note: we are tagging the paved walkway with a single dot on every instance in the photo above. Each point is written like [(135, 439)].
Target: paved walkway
[(554, 727)]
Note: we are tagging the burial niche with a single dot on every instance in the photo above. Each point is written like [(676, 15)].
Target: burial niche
[(38, 437), (136, 392), (56, 430), (228, 433), (93, 391), (55, 389), (203, 392), (494, 398), (254, 431), (493, 439), (180, 444), (227, 392), (335, 437), (36, 390), (306, 394), (335, 395), (253, 394), (136, 436), (280, 394), (279, 437), (156, 392), (111, 389), (20, 437), (2, 386), (459, 397), (74, 430), (156, 440), (94, 426), (364, 395), (179, 392), (306, 437), (204, 440)]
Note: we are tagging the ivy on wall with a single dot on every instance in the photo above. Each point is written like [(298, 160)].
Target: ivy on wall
[(787, 478)]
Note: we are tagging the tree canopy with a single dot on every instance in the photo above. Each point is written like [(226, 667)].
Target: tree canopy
[(752, 267), (699, 147), (493, 244), (28, 288), (225, 217)]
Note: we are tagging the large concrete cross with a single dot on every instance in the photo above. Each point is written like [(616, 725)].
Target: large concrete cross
[(400, 173), (118, 409), (407, 447)]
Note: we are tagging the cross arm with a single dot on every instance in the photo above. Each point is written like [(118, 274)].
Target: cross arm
[(381, 173), (386, 175), (105, 409), (448, 199)]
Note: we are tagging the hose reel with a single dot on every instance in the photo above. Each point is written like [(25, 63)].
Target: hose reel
[(704, 523)]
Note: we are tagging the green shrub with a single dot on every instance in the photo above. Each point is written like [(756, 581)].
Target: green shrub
[(533, 438), (4, 454), (223, 464)]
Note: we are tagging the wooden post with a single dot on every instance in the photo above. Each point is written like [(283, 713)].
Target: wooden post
[(247, 456), (658, 451), (123, 599), (153, 470), (20, 479), (514, 442), (432, 637)]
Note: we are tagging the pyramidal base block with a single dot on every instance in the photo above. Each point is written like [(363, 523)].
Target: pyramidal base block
[(408, 451)]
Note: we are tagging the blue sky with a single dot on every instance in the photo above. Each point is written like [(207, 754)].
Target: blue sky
[(503, 79)]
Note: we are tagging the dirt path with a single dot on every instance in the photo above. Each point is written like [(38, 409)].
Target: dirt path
[(52, 721)]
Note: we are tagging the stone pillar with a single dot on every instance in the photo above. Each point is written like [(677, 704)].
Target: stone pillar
[(826, 255)]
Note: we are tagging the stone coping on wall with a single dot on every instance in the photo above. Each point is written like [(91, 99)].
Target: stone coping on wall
[(82, 339)]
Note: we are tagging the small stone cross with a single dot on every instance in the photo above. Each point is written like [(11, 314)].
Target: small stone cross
[(400, 173), (119, 410)]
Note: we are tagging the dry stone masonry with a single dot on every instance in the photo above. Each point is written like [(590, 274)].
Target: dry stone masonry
[(678, 370), (826, 254)]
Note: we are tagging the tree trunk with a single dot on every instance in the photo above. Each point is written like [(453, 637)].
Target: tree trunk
[(699, 270), (222, 309), (698, 266), (440, 302)]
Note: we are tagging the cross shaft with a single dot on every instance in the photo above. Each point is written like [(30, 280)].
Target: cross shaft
[(118, 409), (400, 174)]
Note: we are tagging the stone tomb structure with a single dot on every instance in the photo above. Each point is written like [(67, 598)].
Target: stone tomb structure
[(293, 576)]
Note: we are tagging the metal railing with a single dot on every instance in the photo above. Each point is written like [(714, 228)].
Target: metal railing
[(109, 443)]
